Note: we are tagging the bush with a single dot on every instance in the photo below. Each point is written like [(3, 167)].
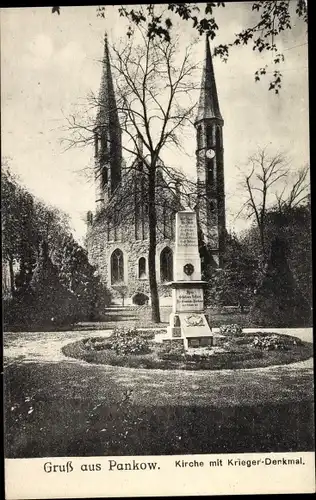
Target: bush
[(125, 332), (230, 329), (172, 350), (129, 341), (97, 343), (274, 341), (130, 345)]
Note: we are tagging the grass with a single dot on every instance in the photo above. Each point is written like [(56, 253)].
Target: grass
[(239, 352), (84, 410), (74, 408)]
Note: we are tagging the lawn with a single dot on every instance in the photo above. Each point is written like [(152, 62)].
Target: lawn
[(58, 406), (77, 409)]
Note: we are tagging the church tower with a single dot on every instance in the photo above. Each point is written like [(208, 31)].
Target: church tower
[(210, 162), (107, 137)]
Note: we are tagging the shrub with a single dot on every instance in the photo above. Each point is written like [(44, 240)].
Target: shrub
[(172, 350), (97, 343), (230, 329), (129, 345), (127, 341), (274, 341), (147, 334), (125, 332)]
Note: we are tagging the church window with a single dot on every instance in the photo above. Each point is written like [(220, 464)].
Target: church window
[(117, 267), (218, 138), (210, 171), (142, 274), (209, 135), (166, 265), (218, 146), (199, 137), (168, 221), (141, 211)]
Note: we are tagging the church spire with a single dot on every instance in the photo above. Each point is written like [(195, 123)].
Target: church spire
[(108, 135), (107, 112), (208, 104), (210, 163)]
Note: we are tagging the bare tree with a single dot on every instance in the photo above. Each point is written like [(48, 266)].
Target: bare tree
[(267, 174), (266, 171), (298, 193), (153, 90)]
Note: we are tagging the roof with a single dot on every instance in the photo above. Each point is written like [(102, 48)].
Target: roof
[(107, 113), (208, 104)]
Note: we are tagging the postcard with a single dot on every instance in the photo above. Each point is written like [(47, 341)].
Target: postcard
[(156, 250)]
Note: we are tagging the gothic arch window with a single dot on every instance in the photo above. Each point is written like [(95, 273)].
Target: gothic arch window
[(210, 170), (209, 135), (142, 273), (117, 267), (166, 264), (199, 137), (218, 137), (219, 157)]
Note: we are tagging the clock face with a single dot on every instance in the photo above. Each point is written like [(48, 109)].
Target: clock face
[(210, 153)]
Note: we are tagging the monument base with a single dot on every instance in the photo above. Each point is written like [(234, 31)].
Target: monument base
[(192, 327)]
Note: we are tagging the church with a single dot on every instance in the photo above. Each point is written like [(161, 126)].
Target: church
[(118, 233)]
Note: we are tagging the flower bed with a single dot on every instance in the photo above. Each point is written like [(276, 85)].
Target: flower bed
[(235, 349)]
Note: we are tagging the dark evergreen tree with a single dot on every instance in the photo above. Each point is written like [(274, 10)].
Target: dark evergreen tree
[(50, 301), (78, 276), (278, 300)]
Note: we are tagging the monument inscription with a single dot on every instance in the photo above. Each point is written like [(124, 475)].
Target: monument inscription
[(190, 299), (187, 233)]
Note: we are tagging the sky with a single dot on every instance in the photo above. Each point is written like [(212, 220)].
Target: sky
[(49, 63)]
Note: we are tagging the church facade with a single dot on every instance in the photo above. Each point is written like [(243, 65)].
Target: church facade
[(118, 233)]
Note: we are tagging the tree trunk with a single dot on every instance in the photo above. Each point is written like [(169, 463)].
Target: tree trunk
[(152, 221), (11, 271), (262, 240)]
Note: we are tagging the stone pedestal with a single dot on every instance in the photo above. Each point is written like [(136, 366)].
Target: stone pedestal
[(188, 320)]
